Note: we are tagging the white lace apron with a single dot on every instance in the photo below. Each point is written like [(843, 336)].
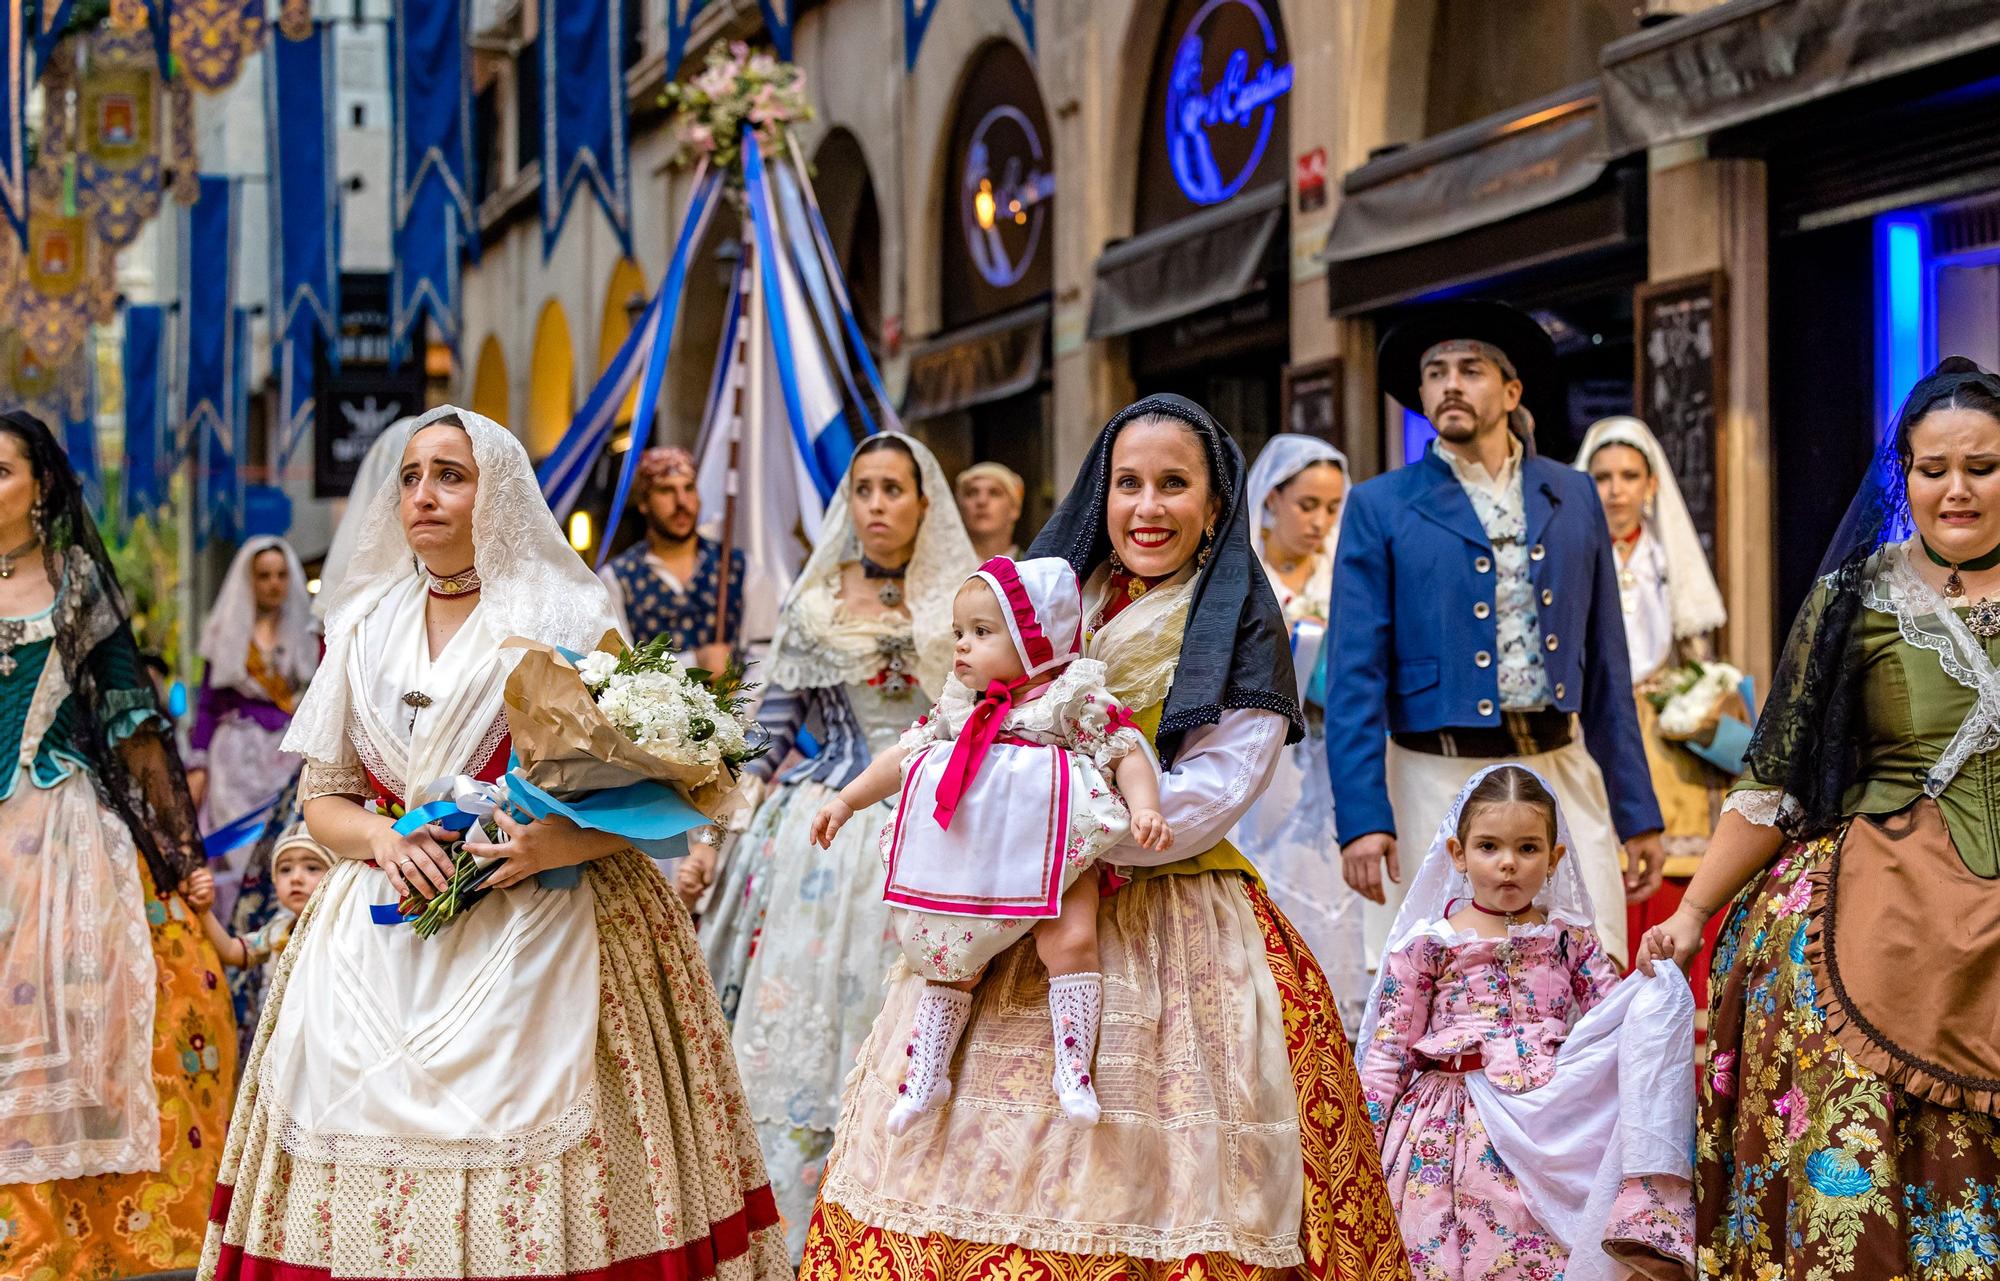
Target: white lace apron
[(77, 975), (474, 1049)]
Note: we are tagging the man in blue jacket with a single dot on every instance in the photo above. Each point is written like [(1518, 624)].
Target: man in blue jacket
[(1476, 621)]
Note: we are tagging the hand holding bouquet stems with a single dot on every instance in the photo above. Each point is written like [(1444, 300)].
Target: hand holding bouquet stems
[(612, 748)]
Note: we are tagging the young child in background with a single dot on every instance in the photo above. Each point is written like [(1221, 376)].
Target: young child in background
[(297, 864), (1536, 1115), (1005, 808)]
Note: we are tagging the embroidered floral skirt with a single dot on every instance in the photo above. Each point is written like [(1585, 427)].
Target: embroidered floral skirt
[(121, 1225), (1809, 1165), (1234, 1144), (1464, 1217), (666, 1186)]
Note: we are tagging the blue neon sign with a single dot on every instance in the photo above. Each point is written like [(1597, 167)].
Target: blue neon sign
[(1241, 99)]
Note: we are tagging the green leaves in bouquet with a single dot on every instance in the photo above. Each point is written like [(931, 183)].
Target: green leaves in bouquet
[(730, 689), (1675, 683), (466, 887)]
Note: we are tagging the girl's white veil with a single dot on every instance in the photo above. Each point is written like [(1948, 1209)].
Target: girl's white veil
[(1563, 898)]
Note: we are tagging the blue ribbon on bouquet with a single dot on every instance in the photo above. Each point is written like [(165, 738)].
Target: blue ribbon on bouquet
[(652, 816)]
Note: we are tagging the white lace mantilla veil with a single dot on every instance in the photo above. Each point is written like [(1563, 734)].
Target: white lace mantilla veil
[(225, 637), (533, 583), (377, 465), (1692, 596), (1563, 898), (939, 565)]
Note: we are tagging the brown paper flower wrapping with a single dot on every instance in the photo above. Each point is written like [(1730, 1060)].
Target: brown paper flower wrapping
[(567, 747)]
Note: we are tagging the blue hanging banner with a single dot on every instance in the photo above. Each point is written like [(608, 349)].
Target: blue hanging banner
[(916, 21), (433, 217), (584, 115), (14, 119), (145, 406), (79, 431), (305, 221), (680, 24), (160, 19), (207, 315), (305, 197), (1025, 11), (223, 445), (778, 16), (51, 16)]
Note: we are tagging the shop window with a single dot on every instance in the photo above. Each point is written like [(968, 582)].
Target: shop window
[(1486, 57), (486, 166), (528, 105)]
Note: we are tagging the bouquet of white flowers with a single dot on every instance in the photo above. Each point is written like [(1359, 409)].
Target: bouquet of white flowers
[(621, 740)]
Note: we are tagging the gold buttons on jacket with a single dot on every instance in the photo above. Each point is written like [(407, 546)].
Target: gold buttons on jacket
[(1482, 659), (1486, 707), (1483, 564), (1537, 552), (1559, 691), (1481, 609), (1548, 596), (1552, 644)]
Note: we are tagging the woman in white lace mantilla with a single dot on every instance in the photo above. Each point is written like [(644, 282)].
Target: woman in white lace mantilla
[(1673, 609), (1294, 496), (799, 938), (261, 647), (543, 1089)]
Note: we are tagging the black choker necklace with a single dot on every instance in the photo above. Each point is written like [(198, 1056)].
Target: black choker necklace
[(890, 592), (1984, 616)]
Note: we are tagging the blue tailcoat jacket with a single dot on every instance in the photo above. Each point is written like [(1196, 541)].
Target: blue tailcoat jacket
[(1405, 646)]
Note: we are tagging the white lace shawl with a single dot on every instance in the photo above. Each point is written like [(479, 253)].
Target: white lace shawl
[(533, 583), (816, 646), (1928, 622), (225, 637)]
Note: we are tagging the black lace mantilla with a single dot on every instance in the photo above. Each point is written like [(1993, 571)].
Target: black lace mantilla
[(137, 775), (1236, 650)]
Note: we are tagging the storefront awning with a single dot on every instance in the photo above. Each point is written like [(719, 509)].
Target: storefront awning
[(1749, 58), (988, 361), (1472, 176), (1212, 257)]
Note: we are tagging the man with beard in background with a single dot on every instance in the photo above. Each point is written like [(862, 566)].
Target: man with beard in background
[(671, 584)]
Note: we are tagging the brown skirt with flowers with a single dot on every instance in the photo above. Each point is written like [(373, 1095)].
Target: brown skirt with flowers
[(1810, 1161)]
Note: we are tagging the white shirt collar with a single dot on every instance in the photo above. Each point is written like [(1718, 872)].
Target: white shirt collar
[(1471, 472)]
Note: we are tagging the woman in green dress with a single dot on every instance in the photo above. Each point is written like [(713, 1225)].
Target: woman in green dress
[(1848, 1106)]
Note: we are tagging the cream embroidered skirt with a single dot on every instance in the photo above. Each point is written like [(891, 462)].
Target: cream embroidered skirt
[(667, 1180)]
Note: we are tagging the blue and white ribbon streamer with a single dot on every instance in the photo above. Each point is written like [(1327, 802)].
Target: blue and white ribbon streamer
[(825, 448), (851, 326), (563, 473), (584, 115), (434, 218)]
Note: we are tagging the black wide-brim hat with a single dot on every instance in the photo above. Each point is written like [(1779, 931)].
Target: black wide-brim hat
[(1399, 360)]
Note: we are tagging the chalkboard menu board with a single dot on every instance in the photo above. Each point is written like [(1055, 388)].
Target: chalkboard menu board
[(1678, 386)]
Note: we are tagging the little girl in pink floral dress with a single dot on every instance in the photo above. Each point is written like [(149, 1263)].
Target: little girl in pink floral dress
[(1007, 803), (1536, 1114)]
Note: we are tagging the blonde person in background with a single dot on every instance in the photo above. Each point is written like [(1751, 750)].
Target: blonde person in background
[(989, 499)]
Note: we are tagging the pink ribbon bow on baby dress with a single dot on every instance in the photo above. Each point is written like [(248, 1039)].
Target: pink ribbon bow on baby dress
[(1034, 592)]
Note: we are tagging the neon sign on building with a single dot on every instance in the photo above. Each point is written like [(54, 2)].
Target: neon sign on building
[(1198, 114)]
